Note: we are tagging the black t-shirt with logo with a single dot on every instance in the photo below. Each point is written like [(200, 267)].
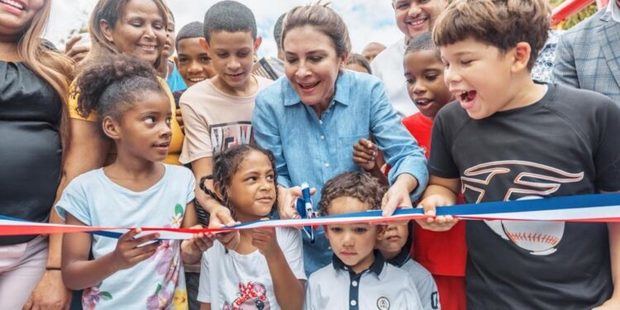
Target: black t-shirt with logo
[(565, 144)]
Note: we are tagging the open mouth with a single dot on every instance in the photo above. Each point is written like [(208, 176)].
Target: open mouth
[(236, 75), (162, 145), (197, 79), (466, 98), (417, 21), (423, 102), (14, 4), (308, 86), (468, 95), (147, 47)]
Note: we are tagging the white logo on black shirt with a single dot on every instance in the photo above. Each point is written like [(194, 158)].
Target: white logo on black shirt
[(529, 181)]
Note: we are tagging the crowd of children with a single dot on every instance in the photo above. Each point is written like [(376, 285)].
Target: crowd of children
[(109, 145)]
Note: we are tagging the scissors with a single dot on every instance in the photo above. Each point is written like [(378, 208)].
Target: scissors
[(305, 209)]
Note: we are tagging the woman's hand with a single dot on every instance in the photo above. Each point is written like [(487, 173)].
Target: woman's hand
[(398, 194), (50, 293), (76, 52), (287, 201)]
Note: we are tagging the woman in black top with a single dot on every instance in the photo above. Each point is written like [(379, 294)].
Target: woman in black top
[(33, 85)]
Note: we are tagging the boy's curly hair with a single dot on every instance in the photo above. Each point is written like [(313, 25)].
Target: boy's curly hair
[(358, 185)]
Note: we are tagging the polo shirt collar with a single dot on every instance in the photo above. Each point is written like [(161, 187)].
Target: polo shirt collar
[(400, 259), (376, 267)]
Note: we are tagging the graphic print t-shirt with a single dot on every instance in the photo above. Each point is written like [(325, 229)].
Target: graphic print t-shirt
[(565, 144), (214, 120), (229, 280), (156, 283)]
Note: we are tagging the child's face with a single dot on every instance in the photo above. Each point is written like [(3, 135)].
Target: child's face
[(356, 67), (15, 18), (352, 243), (372, 50), (139, 31), (144, 130), (168, 49), (232, 56), (479, 76), (425, 84), (414, 17), (193, 62), (392, 239), (252, 190), (311, 65)]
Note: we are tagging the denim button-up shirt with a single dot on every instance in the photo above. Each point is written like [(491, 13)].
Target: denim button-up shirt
[(313, 150)]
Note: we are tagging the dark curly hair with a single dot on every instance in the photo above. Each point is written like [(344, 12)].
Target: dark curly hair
[(358, 185), (226, 164), (113, 85)]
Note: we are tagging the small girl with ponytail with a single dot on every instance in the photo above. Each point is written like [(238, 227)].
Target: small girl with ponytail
[(265, 270), (137, 270)]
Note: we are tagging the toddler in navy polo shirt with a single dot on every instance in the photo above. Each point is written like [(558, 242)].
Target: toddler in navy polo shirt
[(358, 277)]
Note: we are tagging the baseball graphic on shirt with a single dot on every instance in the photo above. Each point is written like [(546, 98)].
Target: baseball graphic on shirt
[(538, 238)]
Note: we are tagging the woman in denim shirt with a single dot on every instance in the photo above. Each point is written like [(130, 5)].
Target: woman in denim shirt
[(311, 118)]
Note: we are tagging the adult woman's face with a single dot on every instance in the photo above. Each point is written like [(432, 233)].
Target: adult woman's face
[(311, 65), (15, 16), (140, 30)]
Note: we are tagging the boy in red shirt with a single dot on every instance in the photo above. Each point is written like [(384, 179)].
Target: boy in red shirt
[(444, 254)]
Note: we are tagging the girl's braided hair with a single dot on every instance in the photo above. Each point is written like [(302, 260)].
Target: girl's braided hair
[(225, 165)]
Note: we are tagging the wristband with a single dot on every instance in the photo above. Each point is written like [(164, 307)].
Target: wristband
[(53, 268)]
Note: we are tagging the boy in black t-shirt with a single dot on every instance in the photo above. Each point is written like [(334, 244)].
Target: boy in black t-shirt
[(509, 138)]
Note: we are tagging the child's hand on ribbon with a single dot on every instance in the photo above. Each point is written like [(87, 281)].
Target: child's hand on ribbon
[(436, 223), (264, 239), (191, 249), (130, 250), (230, 240)]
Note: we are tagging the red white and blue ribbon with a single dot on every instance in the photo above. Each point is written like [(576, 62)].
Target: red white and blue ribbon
[(600, 208)]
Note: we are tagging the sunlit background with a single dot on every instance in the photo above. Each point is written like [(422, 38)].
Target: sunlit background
[(368, 20)]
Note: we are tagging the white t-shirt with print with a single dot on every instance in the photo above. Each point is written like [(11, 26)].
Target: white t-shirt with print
[(229, 280), (157, 282), (388, 66)]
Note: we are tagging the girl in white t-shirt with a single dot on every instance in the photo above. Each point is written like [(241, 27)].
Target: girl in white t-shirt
[(265, 270), (135, 271)]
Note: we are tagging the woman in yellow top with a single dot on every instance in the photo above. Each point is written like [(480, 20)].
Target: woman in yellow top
[(132, 27)]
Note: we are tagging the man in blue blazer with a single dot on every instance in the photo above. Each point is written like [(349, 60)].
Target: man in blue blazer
[(588, 56)]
